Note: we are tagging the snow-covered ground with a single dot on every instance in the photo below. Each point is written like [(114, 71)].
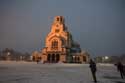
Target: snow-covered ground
[(30, 72)]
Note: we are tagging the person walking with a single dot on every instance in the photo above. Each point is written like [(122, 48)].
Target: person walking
[(93, 69), (120, 68)]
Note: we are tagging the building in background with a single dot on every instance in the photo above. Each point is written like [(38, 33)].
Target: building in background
[(8, 54), (110, 59), (60, 46)]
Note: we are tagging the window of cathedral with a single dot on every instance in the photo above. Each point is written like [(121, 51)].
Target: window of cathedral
[(57, 19), (54, 45), (57, 30)]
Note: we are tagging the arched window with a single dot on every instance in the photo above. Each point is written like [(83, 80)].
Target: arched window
[(54, 44), (61, 19), (57, 19)]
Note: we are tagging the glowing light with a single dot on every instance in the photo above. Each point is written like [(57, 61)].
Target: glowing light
[(8, 53), (106, 57)]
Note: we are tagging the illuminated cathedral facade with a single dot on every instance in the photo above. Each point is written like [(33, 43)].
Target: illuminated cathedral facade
[(60, 46)]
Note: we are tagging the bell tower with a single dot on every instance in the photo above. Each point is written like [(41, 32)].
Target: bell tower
[(59, 19), (58, 25)]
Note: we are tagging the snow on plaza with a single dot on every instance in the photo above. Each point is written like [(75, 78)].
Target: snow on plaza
[(31, 72)]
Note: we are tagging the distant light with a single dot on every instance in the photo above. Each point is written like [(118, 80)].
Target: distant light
[(8, 53), (73, 56), (31, 57), (106, 57)]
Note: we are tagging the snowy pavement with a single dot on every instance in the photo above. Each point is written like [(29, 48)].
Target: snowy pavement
[(30, 72)]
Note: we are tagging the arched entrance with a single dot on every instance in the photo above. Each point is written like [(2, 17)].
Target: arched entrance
[(53, 58), (57, 57), (84, 58), (49, 58)]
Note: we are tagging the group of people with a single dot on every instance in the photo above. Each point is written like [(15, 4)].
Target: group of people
[(92, 65), (120, 68)]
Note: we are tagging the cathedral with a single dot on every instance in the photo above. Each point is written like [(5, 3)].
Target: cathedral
[(60, 46)]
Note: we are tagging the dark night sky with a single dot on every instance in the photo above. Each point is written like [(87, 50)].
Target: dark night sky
[(98, 25)]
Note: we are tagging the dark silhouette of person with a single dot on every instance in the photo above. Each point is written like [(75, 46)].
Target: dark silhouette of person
[(93, 69), (120, 68)]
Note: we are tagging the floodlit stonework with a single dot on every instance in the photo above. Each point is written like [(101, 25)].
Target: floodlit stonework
[(60, 46)]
